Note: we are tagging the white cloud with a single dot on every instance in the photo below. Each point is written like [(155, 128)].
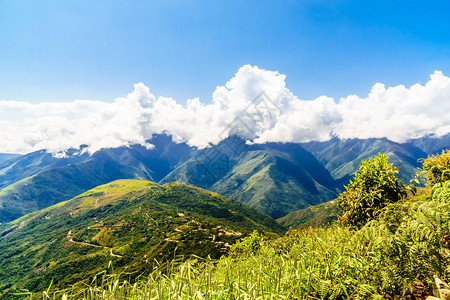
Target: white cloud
[(398, 113)]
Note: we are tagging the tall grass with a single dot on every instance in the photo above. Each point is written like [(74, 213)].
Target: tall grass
[(310, 264), (392, 257)]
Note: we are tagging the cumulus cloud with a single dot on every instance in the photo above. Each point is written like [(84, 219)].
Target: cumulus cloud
[(255, 104)]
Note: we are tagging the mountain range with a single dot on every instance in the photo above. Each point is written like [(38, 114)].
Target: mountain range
[(342, 157), (275, 178), (38, 180), (432, 144), (66, 218)]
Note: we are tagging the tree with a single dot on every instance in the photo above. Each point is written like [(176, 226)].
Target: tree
[(374, 186)]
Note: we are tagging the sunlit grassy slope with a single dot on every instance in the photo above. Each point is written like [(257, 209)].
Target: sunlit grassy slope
[(313, 216), (135, 224)]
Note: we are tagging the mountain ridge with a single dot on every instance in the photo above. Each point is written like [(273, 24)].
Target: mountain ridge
[(7, 156), (61, 179), (128, 222), (342, 157), (276, 178)]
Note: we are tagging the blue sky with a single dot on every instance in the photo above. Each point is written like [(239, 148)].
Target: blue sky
[(66, 50)]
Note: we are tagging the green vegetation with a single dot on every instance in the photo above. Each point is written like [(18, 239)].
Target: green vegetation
[(393, 255), (436, 168), (314, 216), (135, 225), (273, 178), (38, 180), (374, 186), (249, 245)]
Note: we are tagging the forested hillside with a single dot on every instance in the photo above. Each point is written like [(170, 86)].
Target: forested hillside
[(135, 225)]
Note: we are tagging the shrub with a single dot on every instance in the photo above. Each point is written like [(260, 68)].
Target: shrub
[(374, 186), (436, 168), (248, 245)]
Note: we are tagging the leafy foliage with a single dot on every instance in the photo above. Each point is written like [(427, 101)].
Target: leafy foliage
[(441, 191), (392, 256), (436, 168), (374, 186), (248, 245)]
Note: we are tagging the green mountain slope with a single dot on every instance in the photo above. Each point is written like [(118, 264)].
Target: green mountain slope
[(273, 178), (40, 180), (131, 223), (313, 216), (21, 167), (58, 184), (342, 157)]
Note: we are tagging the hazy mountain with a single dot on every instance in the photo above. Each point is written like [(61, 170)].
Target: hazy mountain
[(33, 163), (432, 144), (131, 223), (52, 180), (162, 158), (274, 178), (6, 156), (342, 157)]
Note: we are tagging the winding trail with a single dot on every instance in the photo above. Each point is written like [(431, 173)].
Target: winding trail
[(70, 238)]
